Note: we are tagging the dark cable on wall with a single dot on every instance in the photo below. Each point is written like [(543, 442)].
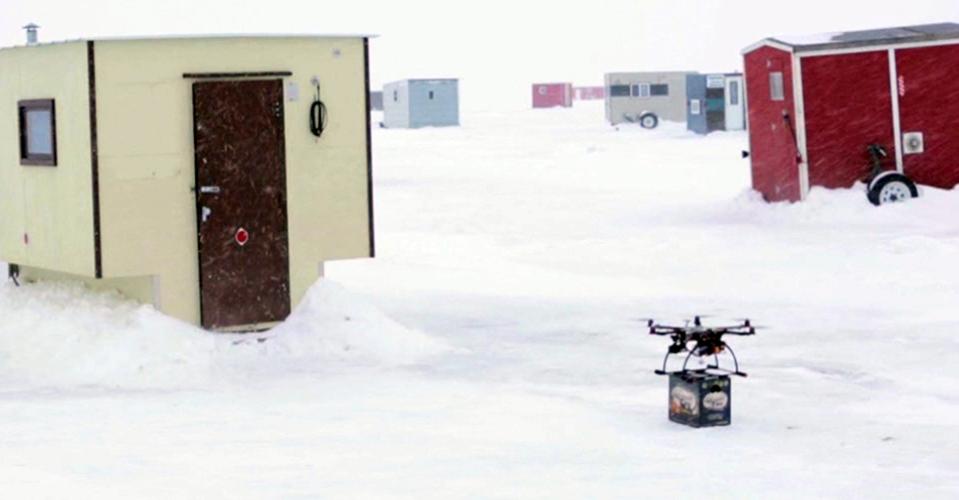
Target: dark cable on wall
[(792, 133), (13, 271), (318, 114)]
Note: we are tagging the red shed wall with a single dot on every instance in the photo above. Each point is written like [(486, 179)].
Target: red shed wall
[(847, 105), (775, 171), (930, 104), (549, 95)]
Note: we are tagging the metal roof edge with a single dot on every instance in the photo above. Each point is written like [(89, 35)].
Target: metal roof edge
[(212, 36), (768, 42), (651, 72), (405, 80), (877, 44)]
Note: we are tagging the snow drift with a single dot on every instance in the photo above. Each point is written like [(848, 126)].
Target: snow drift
[(333, 324), (64, 335)]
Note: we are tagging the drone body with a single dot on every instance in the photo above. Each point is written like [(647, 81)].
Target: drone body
[(700, 341)]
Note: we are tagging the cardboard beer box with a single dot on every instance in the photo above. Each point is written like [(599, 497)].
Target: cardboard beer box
[(698, 398)]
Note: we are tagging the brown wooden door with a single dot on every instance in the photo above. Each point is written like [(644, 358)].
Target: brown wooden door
[(241, 202)]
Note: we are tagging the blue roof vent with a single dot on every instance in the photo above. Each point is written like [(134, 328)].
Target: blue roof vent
[(31, 33)]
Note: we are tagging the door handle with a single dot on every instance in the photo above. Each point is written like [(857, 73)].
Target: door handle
[(209, 189), (205, 213)]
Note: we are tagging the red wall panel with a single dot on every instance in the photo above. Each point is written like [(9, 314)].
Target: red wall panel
[(929, 103), (775, 171), (848, 106), (549, 95)]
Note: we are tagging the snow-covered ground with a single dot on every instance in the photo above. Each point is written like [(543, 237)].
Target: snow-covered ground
[(493, 349)]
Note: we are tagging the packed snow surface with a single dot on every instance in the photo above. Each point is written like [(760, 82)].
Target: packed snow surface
[(494, 348)]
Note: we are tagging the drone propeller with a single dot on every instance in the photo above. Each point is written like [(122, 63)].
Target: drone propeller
[(697, 320), (749, 323), (649, 321)]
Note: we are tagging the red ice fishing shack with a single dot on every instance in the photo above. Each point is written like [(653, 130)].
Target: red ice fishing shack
[(552, 95), (816, 103)]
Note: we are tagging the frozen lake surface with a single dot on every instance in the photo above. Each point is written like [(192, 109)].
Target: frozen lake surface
[(494, 347)]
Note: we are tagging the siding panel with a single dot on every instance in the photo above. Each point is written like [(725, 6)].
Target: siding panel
[(848, 106), (930, 104)]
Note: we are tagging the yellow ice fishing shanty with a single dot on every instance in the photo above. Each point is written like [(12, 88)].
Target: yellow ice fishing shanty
[(209, 176)]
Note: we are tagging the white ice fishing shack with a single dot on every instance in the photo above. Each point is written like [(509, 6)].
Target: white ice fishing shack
[(209, 176), (416, 103), (646, 98)]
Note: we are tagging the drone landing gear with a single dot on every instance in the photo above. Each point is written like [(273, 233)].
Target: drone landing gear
[(714, 366)]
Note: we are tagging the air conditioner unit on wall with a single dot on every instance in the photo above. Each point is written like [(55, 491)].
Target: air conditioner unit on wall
[(913, 143)]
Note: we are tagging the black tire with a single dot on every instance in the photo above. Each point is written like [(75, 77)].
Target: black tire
[(891, 188), (648, 120)]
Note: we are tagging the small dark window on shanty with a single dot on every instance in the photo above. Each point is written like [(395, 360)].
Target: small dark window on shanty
[(38, 132), (776, 91), (396, 95), (734, 93), (431, 95), (619, 90), (695, 107), (659, 89)]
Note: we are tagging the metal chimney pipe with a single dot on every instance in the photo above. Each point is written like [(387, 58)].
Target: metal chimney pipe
[(31, 33)]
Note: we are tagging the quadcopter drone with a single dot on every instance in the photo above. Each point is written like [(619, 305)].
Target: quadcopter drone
[(700, 341)]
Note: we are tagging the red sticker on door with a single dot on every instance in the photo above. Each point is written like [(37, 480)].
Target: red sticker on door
[(241, 237)]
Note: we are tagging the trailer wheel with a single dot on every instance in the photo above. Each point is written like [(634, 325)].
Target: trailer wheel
[(648, 120), (891, 187)]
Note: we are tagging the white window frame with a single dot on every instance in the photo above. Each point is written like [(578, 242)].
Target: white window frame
[(734, 91), (642, 90), (777, 86)]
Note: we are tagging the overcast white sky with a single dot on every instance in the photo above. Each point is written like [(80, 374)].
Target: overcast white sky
[(496, 47)]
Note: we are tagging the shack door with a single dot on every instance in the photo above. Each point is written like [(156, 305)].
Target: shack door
[(715, 103), (696, 96), (929, 113), (241, 203), (735, 108)]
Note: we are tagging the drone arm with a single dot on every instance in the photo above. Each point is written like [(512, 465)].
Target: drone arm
[(664, 330), (737, 330)]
